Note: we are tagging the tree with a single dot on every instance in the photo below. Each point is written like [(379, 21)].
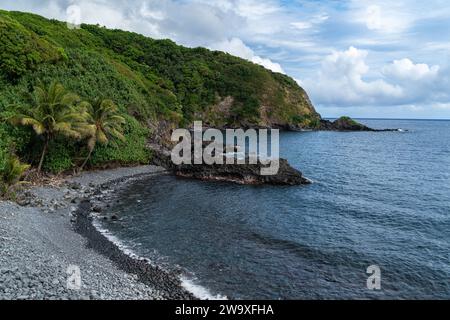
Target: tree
[(52, 112), (105, 122)]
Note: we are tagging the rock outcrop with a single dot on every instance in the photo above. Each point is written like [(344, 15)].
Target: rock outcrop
[(347, 124), (249, 174), (343, 124)]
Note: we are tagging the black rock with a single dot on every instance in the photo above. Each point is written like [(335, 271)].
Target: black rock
[(74, 186), (237, 173), (347, 124), (75, 200), (97, 209), (343, 124)]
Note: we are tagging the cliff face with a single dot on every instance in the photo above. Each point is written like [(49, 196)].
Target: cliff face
[(158, 86), (149, 79)]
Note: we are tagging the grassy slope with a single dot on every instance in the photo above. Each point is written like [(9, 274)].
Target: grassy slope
[(149, 80)]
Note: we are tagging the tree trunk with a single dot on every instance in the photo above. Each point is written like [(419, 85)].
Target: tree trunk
[(44, 152), (87, 159)]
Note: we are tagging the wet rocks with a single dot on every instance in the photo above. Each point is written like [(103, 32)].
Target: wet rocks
[(247, 174), (26, 198), (166, 283), (97, 209), (74, 185), (236, 173)]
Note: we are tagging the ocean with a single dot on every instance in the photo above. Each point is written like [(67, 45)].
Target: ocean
[(378, 199)]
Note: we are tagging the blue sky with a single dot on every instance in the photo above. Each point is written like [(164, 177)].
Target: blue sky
[(355, 57)]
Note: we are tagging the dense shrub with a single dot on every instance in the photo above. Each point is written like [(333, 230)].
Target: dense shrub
[(11, 175), (61, 156), (22, 51), (4, 147), (11, 168), (131, 151)]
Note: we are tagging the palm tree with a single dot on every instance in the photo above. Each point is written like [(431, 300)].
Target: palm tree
[(105, 122), (53, 112)]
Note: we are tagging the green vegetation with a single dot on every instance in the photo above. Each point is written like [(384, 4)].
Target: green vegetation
[(348, 120), (52, 113), (147, 80), (60, 121), (102, 117), (23, 50), (4, 150), (306, 121), (10, 176)]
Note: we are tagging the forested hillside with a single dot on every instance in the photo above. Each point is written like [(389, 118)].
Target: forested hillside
[(148, 80)]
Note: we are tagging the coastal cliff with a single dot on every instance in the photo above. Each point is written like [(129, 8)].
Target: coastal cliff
[(157, 86), (149, 79)]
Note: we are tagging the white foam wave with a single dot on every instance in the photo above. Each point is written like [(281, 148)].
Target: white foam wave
[(113, 239), (188, 284), (199, 291)]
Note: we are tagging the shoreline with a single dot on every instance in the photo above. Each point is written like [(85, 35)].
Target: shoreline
[(54, 229), (88, 216)]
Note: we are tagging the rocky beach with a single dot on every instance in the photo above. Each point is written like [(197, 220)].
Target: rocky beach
[(50, 229), (224, 150)]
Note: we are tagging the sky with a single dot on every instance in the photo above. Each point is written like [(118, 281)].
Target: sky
[(365, 59)]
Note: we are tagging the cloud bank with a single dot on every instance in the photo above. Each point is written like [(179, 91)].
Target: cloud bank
[(342, 81), (378, 56)]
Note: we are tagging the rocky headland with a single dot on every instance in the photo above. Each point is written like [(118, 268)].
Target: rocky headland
[(249, 174), (347, 124)]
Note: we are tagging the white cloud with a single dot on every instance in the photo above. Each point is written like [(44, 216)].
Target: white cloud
[(237, 47), (311, 23), (255, 8), (268, 64), (373, 18), (340, 81), (92, 12), (343, 80), (150, 13), (444, 106), (302, 25), (420, 82), (385, 16), (405, 69)]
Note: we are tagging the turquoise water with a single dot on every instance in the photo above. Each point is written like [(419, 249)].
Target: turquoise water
[(378, 199)]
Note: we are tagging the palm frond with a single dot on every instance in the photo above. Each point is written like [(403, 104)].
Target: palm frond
[(69, 99), (27, 121), (117, 134), (13, 171), (40, 94), (66, 129), (101, 137)]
